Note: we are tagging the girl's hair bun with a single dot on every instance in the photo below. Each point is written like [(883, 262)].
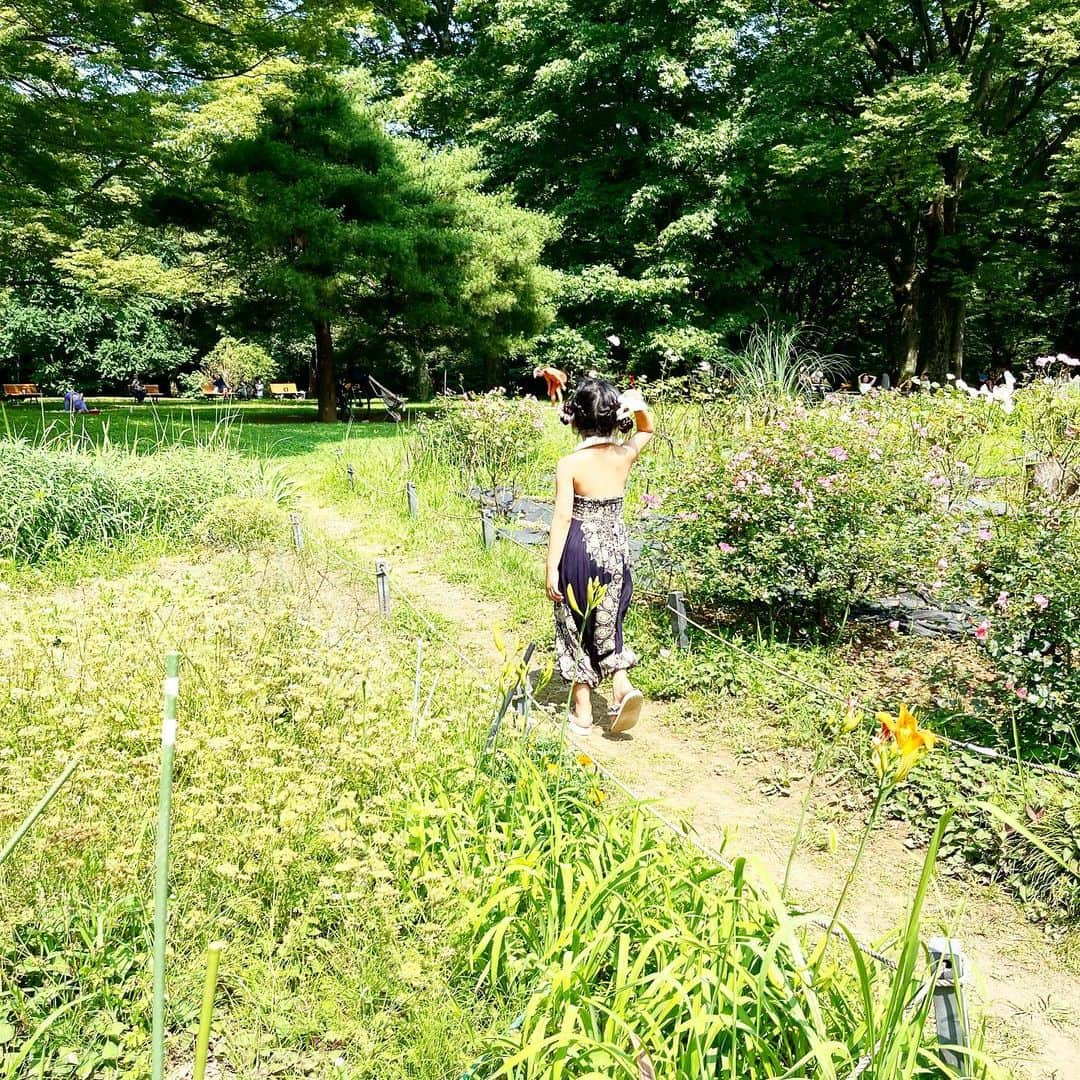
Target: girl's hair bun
[(595, 409)]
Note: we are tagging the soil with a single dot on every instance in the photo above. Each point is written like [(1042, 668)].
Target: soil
[(1028, 1002)]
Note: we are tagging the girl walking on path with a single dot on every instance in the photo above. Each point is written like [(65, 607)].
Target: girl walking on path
[(589, 543)]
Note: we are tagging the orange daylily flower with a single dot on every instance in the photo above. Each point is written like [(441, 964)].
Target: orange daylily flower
[(584, 760), (905, 729), (909, 743)]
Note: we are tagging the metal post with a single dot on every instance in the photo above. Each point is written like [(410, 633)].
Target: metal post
[(412, 499), (949, 968), (382, 584), (297, 532), (416, 687), (493, 731), (350, 472), (161, 883), (677, 611), (487, 527)]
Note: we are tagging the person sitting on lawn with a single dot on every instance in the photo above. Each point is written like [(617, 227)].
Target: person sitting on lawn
[(74, 402), (556, 382), (220, 386)]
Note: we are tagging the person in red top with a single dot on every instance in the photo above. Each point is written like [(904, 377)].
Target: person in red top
[(556, 382)]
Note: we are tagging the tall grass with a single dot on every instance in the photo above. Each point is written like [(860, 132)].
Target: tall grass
[(776, 365), (622, 948), (53, 498)]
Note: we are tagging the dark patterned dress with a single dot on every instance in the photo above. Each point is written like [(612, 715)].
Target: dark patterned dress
[(597, 547)]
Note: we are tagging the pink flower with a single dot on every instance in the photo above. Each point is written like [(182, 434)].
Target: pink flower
[(827, 482), (894, 625), (1042, 361), (1041, 602), (651, 501), (936, 480), (725, 549), (943, 564), (837, 453), (982, 631), (984, 533), (1021, 692), (875, 454), (765, 489), (1002, 601)]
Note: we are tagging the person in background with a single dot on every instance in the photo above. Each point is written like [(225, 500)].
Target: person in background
[(138, 391), (259, 388), (220, 386), (589, 546), (74, 402), (866, 383), (556, 382)]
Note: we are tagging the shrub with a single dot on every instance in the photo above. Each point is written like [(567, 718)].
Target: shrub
[(492, 439), (1028, 572), (813, 512), (52, 497), (242, 522)]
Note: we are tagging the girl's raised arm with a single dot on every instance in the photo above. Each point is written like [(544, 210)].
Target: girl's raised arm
[(643, 421)]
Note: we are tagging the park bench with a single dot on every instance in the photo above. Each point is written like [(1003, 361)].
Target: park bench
[(152, 391), (21, 392), (281, 390), (211, 391)]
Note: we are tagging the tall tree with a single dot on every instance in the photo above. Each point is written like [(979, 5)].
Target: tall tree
[(587, 110), (933, 124), (331, 221)]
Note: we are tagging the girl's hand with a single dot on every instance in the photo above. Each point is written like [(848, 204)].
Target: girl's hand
[(553, 587)]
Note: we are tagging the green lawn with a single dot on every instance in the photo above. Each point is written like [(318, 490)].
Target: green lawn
[(266, 428)]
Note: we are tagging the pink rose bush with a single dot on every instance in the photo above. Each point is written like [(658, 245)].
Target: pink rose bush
[(1029, 577), (805, 515)]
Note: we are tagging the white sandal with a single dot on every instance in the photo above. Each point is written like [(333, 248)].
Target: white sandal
[(629, 712), (580, 730)]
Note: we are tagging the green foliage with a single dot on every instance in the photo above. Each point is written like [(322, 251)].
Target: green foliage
[(52, 496), (238, 362), (1028, 576), (491, 439), (814, 511), (777, 365), (61, 338), (284, 833), (615, 939), (242, 523)]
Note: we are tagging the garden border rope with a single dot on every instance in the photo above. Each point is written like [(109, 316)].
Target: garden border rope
[(984, 751)]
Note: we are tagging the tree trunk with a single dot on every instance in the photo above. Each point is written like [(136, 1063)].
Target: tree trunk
[(326, 383), (944, 299), (902, 265), (941, 349), (904, 332)]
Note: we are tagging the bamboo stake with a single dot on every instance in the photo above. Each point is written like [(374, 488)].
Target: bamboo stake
[(202, 1043), (38, 810), (161, 885)]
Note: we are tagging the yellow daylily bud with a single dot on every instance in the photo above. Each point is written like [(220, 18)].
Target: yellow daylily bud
[(571, 599)]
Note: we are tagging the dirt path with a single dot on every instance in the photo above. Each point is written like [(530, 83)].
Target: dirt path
[(1030, 1005)]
